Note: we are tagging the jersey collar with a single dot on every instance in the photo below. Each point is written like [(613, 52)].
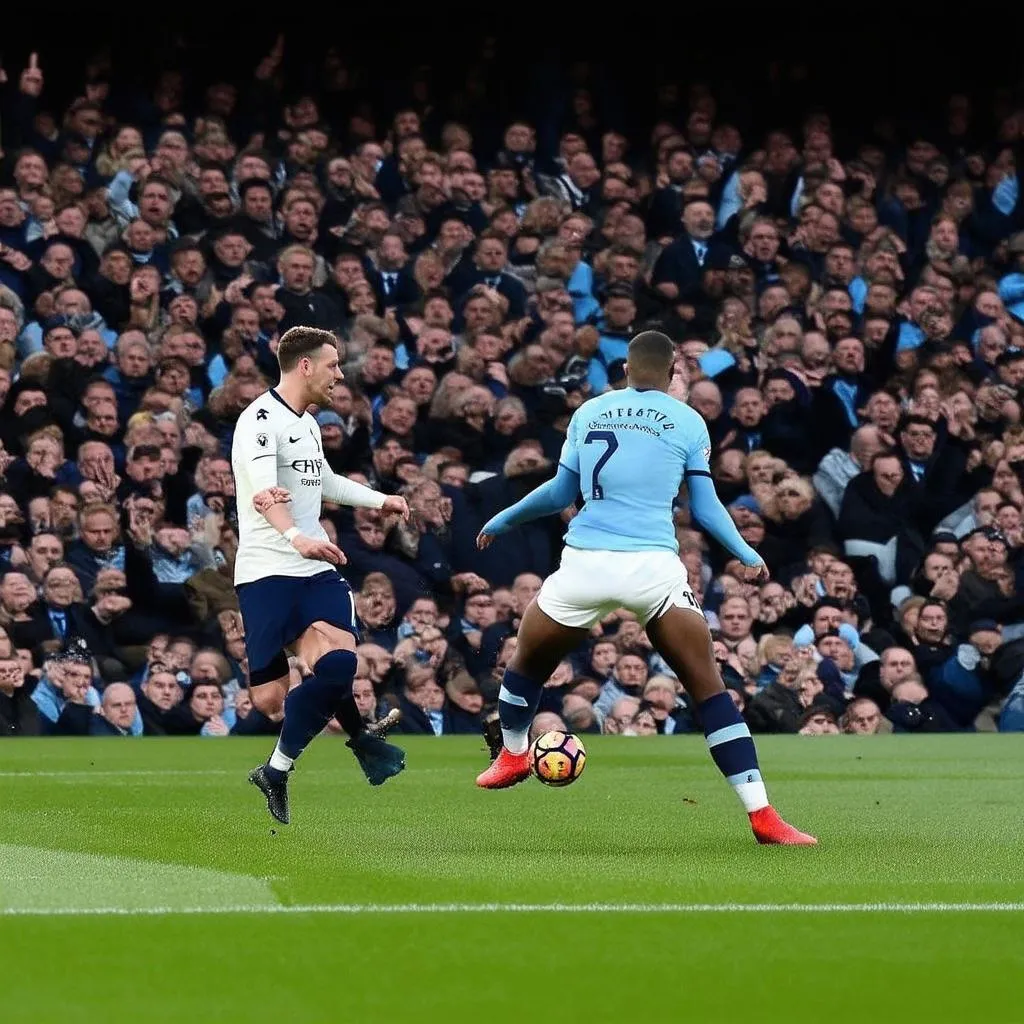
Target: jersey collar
[(285, 404)]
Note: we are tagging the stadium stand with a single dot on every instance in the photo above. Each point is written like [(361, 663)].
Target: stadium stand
[(848, 307)]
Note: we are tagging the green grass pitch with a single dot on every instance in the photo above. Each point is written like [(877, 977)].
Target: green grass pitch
[(143, 881)]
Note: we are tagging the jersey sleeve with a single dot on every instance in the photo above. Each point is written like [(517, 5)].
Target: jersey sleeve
[(570, 456), (698, 447), (343, 491), (255, 445)]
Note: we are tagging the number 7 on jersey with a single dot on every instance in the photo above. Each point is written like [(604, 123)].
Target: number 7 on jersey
[(597, 491)]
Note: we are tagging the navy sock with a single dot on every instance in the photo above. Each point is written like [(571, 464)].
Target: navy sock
[(733, 749), (349, 718), (517, 704), (306, 711), (311, 704), (338, 668)]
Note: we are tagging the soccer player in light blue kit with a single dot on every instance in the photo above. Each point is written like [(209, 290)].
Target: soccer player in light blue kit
[(628, 453)]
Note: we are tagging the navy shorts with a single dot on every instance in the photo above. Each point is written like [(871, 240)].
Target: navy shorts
[(277, 610)]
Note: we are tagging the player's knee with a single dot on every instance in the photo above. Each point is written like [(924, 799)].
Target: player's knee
[(337, 669), (538, 667), (268, 686), (321, 638), (336, 637)]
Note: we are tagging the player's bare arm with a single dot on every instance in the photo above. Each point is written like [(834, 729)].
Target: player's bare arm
[(275, 510), (270, 496)]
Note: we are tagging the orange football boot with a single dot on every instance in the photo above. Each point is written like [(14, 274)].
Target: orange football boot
[(769, 828), (507, 769)]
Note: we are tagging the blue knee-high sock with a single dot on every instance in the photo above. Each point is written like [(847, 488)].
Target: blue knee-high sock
[(339, 667), (733, 750), (311, 704), (338, 670), (518, 699)]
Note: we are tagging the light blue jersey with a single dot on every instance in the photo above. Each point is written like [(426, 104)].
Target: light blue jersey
[(628, 451), (631, 450)]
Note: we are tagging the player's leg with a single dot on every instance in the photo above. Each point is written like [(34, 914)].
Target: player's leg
[(316, 617), (543, 643), (268, 698), (330, 650), (268, 687), (682, 637), (268, 677)]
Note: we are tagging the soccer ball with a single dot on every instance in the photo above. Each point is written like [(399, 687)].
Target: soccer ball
[(557, 758)]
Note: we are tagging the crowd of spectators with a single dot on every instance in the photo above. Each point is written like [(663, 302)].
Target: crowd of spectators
[(850, 324)]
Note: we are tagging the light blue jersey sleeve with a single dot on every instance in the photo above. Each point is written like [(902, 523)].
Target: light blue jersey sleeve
[(570, 456), (705, 504), (697, 446), (547, 500)]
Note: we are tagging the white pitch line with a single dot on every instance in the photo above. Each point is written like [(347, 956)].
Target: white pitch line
[(524, 908), (128, 773), (102, 773)]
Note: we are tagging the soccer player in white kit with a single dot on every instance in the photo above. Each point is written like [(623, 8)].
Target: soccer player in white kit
[(290, 592)]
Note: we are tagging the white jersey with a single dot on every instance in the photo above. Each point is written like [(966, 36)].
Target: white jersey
[(275, 446)]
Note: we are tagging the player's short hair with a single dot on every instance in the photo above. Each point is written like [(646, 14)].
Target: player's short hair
[(298, 342), (651, 354)]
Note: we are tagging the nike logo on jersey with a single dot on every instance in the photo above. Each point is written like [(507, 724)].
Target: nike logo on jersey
[(292, 440)]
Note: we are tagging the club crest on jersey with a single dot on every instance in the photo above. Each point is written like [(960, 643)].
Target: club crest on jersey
[(261, 440), (261, 414)]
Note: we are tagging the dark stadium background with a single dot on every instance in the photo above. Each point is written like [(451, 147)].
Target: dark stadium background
[(855, 61)]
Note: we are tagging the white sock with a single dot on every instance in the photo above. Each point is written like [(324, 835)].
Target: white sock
[(516, 740), (752, 795), (282, 762)]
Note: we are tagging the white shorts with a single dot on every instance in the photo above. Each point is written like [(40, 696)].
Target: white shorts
[(592, 584)]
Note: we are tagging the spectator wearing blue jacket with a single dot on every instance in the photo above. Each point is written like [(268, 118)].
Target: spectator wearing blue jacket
[(962, 684), (66, 681), (131, 375)]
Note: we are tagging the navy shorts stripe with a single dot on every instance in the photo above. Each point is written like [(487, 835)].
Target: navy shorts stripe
[(277, 610)]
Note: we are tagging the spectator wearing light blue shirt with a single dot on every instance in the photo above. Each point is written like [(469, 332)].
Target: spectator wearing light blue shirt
[(72, 309), (1011, 286), (579, 276), (63, 682), (911, 335), (615, 326)]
